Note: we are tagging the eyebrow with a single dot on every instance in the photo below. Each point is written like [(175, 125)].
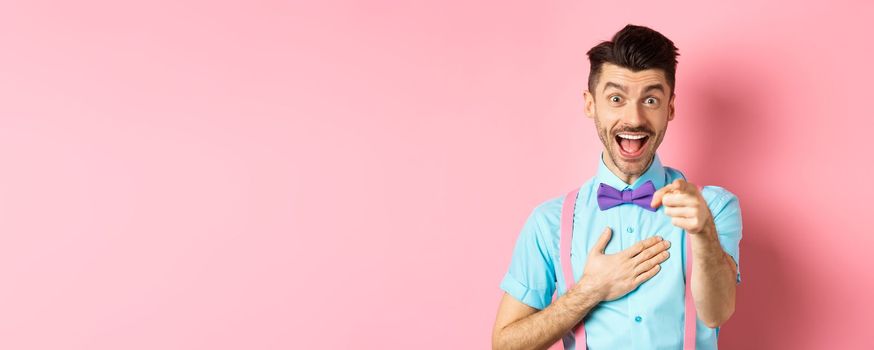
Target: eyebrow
[(657, 86), (610, 84)]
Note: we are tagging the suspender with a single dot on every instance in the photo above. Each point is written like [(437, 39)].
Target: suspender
[(578, 333)]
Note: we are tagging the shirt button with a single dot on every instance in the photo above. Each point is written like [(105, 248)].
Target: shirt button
[(629, 230), (638, 319)]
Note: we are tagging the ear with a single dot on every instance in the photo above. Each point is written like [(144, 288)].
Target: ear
[(590, 104), (671, 107)]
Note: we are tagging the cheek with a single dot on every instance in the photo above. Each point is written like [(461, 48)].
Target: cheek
[(658, 119), (608, 117), (604, 127)]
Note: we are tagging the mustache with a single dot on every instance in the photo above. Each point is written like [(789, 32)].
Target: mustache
[(639, 129)]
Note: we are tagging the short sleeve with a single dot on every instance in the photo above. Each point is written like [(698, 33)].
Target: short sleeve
[(725, 208), (531, 277)]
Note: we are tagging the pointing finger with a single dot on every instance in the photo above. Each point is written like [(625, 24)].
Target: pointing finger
[(657, 196), (675, 199)]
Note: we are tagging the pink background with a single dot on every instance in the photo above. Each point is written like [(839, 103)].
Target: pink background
[(274, 175)]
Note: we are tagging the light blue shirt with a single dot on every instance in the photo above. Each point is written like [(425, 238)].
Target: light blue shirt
[(649, 317)]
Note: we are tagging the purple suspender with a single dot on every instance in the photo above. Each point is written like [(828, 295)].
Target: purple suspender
[(567, 220)]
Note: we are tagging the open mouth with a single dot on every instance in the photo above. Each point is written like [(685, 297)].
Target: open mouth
[(631, 145)]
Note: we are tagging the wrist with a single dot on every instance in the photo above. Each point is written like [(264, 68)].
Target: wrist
[(590, 290), (707, 234), (706, 244)]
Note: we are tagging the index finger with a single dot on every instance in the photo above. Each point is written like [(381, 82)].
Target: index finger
[(657, 196)]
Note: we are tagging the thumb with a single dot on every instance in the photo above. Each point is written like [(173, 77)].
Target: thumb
[(601, 245)]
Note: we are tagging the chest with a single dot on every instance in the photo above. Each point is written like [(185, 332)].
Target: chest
[(630, 225)]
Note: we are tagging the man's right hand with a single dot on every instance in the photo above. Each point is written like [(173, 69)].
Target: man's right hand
[(610, 276)]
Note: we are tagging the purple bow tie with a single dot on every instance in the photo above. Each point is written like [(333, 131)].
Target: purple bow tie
[(609, 197)]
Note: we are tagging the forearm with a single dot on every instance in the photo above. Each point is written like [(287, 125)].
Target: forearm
[(542, 329), (713, 278)]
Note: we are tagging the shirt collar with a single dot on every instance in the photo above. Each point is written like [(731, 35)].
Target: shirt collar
[(655, 173)]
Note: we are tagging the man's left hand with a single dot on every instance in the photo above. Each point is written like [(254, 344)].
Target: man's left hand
[(685, 205)]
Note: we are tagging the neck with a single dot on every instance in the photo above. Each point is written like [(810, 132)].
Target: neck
[(627, 178)]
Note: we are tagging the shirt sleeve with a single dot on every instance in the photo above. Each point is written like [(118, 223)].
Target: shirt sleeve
[(531, 277), (725, 209)]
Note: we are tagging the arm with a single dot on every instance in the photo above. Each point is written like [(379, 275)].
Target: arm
[(519, 326), (605, 277), (713, 270), (713, 278)]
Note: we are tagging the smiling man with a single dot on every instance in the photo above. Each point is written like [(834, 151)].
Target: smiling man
[(629, 229)]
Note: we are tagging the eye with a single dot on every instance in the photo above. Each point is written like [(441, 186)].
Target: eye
[(651, 101), (615, 99)]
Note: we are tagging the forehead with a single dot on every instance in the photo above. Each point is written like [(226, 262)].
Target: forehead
[(635, 81)]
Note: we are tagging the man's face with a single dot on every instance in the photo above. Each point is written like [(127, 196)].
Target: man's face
[(631, 112)]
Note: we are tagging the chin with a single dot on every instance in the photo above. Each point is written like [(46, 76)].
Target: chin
[(635, 166)]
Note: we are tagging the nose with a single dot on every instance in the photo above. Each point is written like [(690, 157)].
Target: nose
[(635, 115)]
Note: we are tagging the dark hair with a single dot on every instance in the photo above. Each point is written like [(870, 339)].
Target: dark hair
[(635, 48)]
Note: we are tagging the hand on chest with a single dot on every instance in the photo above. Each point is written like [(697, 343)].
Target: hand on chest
[(630, 225)]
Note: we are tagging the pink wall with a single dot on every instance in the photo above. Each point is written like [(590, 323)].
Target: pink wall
[(271, 175)]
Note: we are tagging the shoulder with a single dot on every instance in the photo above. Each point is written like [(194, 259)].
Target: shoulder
[(717, 194), (546, 215), (724, 205)]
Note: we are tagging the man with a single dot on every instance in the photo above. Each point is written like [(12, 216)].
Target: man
[(630, 293)]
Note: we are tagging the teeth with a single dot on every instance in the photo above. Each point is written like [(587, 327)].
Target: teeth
[(631, 137)]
